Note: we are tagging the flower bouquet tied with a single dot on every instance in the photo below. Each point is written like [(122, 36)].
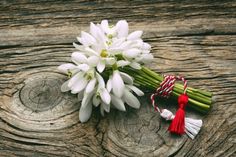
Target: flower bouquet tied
[(109, 68)]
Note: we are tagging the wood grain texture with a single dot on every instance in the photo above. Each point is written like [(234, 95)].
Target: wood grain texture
[(196, 39)]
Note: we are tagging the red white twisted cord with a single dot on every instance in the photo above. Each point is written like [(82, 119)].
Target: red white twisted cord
[(166, 88), (191, 126)]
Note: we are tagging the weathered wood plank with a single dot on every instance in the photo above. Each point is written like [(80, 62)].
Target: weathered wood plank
[(194, 39)]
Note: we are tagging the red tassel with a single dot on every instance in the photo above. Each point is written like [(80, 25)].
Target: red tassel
[(177, 125)]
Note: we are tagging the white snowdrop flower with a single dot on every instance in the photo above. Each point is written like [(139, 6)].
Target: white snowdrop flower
[(86, 39), (109, 30), (122, 28), (114, 45), (86, 107), (126, 78), (77, 83), (98, 96), (85, 113), (101, 57), (135, 35), (121, 87), (101, 96), (102, 91), (135, 90), (130, 99), (97, 33), (102, 52), (82, 81), (118, 103), (117, 84), (81, 73), (90, 86), (66, 67)]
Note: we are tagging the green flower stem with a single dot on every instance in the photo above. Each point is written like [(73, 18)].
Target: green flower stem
[(148, 79), (196, 96), (208, 94), (179, 86), (196, 105)]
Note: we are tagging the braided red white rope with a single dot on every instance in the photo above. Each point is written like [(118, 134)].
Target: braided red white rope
[(192, 126), (166, 88)]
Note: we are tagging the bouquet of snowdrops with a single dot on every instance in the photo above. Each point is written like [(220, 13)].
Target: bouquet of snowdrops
[(108, 69)]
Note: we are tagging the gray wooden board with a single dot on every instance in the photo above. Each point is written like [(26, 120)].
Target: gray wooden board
[(192, 38)]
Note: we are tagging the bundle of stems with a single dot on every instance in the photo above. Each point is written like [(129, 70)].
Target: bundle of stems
[(199, 100)]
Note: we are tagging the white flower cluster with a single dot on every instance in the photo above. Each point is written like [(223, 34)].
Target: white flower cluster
[(95, 74)]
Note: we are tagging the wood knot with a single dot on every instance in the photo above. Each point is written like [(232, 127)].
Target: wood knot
[(41, 93), (142, 132), (40, 104)]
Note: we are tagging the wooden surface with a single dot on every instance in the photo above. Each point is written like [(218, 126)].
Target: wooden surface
[(192, 38)]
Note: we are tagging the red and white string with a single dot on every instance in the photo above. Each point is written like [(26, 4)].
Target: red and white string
[(192, 126), (166, 88)]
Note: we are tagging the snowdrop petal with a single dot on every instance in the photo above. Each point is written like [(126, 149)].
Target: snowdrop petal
[(101, 66), (146, 46), (87, 38), (106, 107), (109, 84), (135, 90), (79, 85), (117, 84), (79, 47), (147, 58), (135, 35), (78, 58), (87, 99), (117, 42), (145, 51), (122, 28), (138, 59), (125, 45), (93, 29), (80, 96), (65, 67), (131, 100), (126, 78), (73, 91), (138, 43), (131, 53), (107, 29), (105, 96), (135, 65), (74, 79), (64, 87), (91, 85), (101, 82), (85, 113), (72, 72), (96, 32), (114, 51), (100, 35), (81, 41), (96, 100), (122, 63), (110, 61), (91, 51), (105, 26), (83, 67), (118, 103), (93, 61)]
